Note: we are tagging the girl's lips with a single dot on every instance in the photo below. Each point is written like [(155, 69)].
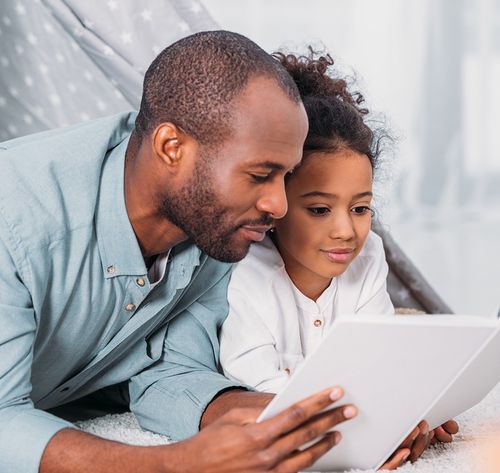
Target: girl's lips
[(339, 256)]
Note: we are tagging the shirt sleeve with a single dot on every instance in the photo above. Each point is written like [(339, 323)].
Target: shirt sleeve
[(170, 396), (375, 297), (24, 430), (248, 351)]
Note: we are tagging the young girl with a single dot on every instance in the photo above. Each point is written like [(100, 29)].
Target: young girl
[(321, 259)]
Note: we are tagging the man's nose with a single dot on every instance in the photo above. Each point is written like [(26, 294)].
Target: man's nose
[(274, 202)]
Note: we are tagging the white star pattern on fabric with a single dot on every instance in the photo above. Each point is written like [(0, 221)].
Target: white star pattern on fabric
[(32, 39), (48, 28), (112, 5), (107, 50), (403, 293), (20, 10), (43, 69), (55, 99), (101, 105), (39, 111), (12, 129), (88, 23), (195, 7), (146, 15), (183, 26), (48, 79), (126, 38)]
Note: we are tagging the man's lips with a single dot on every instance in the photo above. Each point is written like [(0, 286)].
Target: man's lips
[(339, 255), (255, 232)]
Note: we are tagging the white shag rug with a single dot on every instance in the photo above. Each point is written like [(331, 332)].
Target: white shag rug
[(466, 454)]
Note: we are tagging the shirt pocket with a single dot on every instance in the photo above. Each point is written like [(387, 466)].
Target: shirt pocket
[(289, 362), (155, 343)]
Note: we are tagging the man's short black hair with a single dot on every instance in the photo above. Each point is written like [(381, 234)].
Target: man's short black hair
[(192, 82)]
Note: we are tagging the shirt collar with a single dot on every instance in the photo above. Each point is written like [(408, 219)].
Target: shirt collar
[(120, 251), (118, 245)]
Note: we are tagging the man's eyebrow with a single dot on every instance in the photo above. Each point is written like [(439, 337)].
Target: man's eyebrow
[(328, 195), (269, 165)]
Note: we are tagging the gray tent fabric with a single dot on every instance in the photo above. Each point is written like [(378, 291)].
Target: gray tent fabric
[(65, 61), (62, 62), (407, 286), (46, 79), (122, 38)]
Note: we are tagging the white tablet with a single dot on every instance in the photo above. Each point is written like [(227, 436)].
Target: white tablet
[(397, 370)]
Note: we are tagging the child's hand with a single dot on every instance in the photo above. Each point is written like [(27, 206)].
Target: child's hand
[(444, 433), (411, 448)]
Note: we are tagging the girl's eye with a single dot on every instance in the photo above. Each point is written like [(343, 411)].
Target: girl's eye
[(260, 178), (362, 210), (318, 210)]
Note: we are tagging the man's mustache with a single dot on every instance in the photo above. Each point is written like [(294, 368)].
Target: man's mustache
[(264, 220)]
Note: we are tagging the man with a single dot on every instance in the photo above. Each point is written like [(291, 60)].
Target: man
[(109, 231)]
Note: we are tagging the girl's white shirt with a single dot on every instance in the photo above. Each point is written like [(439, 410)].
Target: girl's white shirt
[(272, 326)]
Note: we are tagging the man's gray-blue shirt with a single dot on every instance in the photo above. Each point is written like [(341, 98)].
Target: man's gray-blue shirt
[(77, 312)]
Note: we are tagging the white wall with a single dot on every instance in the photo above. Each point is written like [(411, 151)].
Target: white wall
[(432, 66)]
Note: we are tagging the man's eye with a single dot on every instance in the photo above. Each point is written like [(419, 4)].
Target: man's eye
[(318, 210), (362, 210), (260, 178)]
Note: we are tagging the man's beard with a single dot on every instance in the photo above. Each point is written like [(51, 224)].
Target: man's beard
[(198, 211)]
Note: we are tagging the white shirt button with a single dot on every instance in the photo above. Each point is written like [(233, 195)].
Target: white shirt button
[(318, 323), (140, 282)]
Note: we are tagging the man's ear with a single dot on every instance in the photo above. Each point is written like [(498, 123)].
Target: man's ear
[(168, 143)]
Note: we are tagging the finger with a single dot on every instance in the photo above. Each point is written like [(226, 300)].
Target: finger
[(311, 430), (399, 457), (408, 441), (300, 412), (302, 459), (430, 438), (441, 435), (451, 427), (420, 443)]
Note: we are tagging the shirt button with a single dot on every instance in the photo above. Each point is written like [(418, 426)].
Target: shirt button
[(140, 282), (110, 269), (130, 307), (287, 370), (318, 323)]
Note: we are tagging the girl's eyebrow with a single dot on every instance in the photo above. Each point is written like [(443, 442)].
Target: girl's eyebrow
[(327, 195)]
